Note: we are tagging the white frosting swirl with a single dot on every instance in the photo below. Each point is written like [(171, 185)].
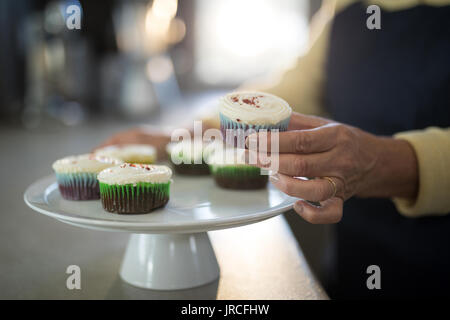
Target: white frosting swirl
[(227, 157), (190, 151), (89, 163), (135, 173), (254, 108), (129, 152)]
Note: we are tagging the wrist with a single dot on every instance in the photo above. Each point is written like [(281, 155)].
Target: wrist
[(395, 173)]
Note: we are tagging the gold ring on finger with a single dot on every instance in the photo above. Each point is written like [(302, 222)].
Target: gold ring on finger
[(333, 185)]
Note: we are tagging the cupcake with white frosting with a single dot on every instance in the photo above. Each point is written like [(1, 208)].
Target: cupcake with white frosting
[(244, 113), (77, 175), (230, 170), (130, 153), (134, 188), (188, 157)]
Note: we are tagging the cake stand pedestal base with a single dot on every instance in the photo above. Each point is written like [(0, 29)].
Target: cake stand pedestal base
[(169, 261)]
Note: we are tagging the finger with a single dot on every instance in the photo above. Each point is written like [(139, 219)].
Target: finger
[(312, 190), (301, 121), (298, 141), (329, 212), (294, 165), (311, 165)]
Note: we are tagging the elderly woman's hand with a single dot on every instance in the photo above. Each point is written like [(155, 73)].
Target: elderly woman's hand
[(344, 161)]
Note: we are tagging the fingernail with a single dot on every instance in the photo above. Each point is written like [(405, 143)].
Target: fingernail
[(298, 207), (274, 177), (252, 141), (314, 203)]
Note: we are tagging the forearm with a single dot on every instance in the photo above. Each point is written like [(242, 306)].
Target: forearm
[(395, 173)]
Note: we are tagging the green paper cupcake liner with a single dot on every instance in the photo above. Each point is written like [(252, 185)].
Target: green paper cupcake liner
[(192, 169), (241, 177), (134, 199), (242, 171), (194, 164)]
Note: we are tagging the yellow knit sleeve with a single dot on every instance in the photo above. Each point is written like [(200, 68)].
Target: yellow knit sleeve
[(432, 147), (302, 86)]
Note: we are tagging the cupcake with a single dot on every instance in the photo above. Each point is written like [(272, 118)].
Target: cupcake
[(77, 175), (244, 113), (134, 188), (188, 158), (231, 172), (130, 153)]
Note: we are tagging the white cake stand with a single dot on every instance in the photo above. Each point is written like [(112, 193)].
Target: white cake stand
[(169, 249)]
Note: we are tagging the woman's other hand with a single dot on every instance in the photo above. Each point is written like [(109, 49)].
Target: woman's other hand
[(152, 137)]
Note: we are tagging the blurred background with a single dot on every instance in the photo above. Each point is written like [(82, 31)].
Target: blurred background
[(137, 58), (63, 91)]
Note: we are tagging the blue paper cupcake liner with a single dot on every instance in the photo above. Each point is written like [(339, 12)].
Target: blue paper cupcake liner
[(78, 186), (242, 130)]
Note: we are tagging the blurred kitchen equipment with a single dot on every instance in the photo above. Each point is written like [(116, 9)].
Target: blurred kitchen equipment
[(145, 32)]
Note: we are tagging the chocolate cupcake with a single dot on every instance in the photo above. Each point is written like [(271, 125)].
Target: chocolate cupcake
[(188, 158), (77, 175), (130, 153), (231, 172), (244, 113), (134, 188)]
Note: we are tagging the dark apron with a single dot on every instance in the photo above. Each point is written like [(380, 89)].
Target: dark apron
[(386, 81)]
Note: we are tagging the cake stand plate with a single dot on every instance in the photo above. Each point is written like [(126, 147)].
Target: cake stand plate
[(169, 248)]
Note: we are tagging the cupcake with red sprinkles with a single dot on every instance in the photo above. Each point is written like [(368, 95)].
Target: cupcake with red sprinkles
[(244, 113), (77, 175), (134, 188)]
